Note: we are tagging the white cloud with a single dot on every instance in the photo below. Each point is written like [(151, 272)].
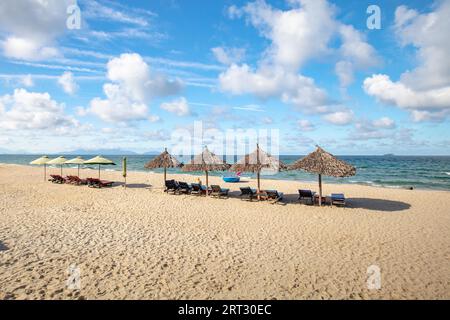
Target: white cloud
[(305, 125), (96, 10), (340, 118), (32, 27), (356, 54), (27, 81), (269, 82), (34, 111), (67, 82), (228, 56), (133, 85), (384, 122), (27, 49), (296, 36), (180, 107), (425, 90), (397, 93), (118, 105), (154, 118)]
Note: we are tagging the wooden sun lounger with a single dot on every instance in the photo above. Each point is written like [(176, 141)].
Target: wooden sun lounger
[(56, 178), (274, 195), (217, 191), (97, 183), (76, 180), (338, 199), (247, 192), (306, 195), (171, 186), (184, 187)]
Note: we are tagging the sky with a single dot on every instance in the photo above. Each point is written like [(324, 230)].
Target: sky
[(144, 75)]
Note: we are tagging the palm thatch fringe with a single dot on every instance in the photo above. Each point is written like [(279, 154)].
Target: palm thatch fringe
[(164, 160), (322, 162), (206, 161), (258, 160)]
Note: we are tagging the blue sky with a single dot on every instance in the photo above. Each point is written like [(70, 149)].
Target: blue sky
[(139, 75)]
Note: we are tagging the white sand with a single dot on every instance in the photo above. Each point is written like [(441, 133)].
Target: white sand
[(139, 243)]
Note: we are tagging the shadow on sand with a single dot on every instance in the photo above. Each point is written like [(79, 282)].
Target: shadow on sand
[(3, 247), (134, 185), (377, 204)]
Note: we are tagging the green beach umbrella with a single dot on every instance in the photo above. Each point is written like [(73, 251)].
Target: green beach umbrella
[(100, 161), (78, 161), (58, 161), (42, 161), (124, 168)]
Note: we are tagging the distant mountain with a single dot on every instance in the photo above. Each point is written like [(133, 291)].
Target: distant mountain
[(103, 152), (151, 153)]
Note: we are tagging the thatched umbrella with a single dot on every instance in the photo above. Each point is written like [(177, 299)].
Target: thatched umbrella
[(206, 161), (42, 161), (164, 160), (323, 163), (257, 161)]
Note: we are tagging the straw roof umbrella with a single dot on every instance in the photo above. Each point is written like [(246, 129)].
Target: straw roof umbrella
[(100, 161), (78, 161), (42, 161), (323, 163), (206, 161), (257, 161), (58, 161), (164, 160)]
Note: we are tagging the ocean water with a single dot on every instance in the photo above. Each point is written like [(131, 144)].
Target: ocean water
[(419, 172)]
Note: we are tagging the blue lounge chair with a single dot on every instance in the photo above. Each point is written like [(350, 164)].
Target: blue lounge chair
[(338, 199)]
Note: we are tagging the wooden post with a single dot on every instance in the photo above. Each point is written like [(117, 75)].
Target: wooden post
[(259, 182), (320, 190), (206, 172), (45, 171), (165, 175)]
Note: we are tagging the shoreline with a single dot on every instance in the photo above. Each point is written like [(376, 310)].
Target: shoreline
[(199, 175)]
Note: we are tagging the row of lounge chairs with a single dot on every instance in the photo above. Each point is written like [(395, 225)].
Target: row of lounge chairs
[(312, 197), (90, 182), (308, 196), (179, 187)]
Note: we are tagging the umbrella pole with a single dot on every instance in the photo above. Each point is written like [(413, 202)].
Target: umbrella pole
[(259, 182), (45, 172), (320, 189), (78, 171), (165, 175), (99, 171), (61, 171), (207, 186)]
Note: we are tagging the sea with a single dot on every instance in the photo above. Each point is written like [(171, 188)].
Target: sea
[(390, 171)]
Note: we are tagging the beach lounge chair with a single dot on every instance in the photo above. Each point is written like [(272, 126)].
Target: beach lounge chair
[(306, 195), (274, 195), (183, 187), (338, 199), (196, 188), (199, 189), (217, 191), (76, 180), (55, 178), (171, 186), (247, 192), (97, 183)]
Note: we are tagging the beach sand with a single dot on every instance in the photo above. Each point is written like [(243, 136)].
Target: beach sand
[(140, 243)]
